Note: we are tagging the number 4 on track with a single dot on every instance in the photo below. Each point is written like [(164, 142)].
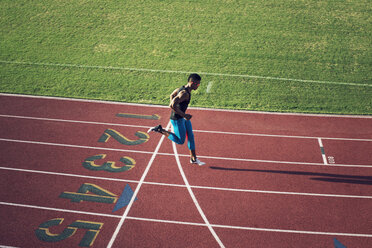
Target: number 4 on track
[(98, 194)]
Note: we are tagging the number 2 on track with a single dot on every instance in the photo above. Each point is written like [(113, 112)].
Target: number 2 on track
[(143, 137)]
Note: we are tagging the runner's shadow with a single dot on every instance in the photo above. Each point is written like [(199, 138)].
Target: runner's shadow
[(326, 177)]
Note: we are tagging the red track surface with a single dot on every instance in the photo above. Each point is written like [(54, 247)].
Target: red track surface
[(265, 184)]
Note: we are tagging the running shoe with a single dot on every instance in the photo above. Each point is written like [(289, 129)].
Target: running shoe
[(157, 129), (197, 161)]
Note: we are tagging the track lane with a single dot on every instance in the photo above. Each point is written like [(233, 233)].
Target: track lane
[(258, 239), (72, 133), (259, 148), (68, 160), (45, 190), (348, 152), (287, 212), (280, 177), (80, 110)]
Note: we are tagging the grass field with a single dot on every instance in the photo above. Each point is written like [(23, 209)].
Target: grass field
[(275, 55)]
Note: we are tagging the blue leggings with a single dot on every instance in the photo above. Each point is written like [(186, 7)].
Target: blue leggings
[(182, 128)]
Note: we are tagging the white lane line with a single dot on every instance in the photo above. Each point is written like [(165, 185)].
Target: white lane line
[(280, 135), (278, 162), (281, 192), (322, 151), (68, 175), (182, 155), (201, 131), (75, 146), (190, 223), (180, 72), (58, 209), (71, 121), (194, 198), (196, 108), (294, 231), (255, 228), (124, 216), (184, 186)]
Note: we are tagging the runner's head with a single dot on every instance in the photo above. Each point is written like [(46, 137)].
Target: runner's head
[(194, 81)]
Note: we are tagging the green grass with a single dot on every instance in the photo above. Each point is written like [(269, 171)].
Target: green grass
[(326, 41)]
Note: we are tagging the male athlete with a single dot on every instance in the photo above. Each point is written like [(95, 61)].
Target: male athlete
[(179, 101)]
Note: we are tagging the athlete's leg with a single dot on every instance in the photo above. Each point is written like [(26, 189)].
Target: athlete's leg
[(190, 136), (179, 129), (191, 144)]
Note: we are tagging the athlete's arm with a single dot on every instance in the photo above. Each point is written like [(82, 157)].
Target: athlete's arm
[(173, 95), (176, 99)]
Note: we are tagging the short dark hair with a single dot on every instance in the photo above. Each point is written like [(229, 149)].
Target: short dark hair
[(194, 77)]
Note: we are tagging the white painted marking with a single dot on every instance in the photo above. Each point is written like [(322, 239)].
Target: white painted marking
[(280, 135), (58, 209), (322, 150), (320, 142), (121, 222), (184, 186), (281, 192), (181, 72), (76, 146), (209, 87), (191, 223), (331, 160), (72, 121), (196, 108), (295, 231), (194, 198), (67, 174), (279, 162)]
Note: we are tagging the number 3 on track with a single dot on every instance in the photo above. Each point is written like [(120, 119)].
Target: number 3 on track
[(109, 166)]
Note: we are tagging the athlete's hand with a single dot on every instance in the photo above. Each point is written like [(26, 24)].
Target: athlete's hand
[(187, 117)]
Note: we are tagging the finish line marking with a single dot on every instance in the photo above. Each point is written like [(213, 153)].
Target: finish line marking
[(322, 150)]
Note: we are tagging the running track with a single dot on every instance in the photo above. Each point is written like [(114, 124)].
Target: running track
[(271, 180)]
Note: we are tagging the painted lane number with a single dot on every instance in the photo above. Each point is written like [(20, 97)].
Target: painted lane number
[(89, 163), (91, 192), (143, 137), (92, 230), (98, 194)]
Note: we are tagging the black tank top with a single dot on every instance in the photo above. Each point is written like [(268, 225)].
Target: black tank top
[(183, 106)]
